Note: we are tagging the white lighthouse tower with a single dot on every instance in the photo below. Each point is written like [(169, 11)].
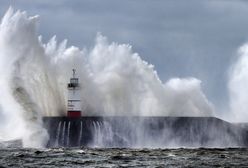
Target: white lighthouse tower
[(74, 100)]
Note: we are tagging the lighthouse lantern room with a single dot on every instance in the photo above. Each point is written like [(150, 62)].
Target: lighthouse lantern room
[(74, 100)]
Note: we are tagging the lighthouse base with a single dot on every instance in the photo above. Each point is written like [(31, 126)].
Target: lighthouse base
[(74, 113)]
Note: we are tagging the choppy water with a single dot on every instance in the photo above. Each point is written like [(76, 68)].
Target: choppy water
[(89, 157)]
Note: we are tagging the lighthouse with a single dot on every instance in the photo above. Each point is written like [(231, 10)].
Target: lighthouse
[(74, 100)]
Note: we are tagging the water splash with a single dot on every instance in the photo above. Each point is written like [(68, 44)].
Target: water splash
[(63, 133), (238, 82), (80, 133), (114, 81), (68, 134), (97, 134), (57, 134)]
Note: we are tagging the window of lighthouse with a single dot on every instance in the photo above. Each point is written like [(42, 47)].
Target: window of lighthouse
[(74, 80)]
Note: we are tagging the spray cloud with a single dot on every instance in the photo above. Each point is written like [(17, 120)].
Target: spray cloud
[(238, 82), (114, 79)]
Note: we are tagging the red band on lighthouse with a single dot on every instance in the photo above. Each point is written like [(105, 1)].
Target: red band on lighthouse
[(74, 113)]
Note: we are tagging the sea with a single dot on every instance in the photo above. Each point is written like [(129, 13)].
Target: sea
[(123, 157)]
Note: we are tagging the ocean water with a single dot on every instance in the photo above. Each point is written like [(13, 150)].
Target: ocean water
[(116, 157)]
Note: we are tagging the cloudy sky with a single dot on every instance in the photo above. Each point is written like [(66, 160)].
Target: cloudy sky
[(193, 38)]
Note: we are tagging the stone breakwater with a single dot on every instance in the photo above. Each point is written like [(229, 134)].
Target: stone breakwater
[(144, 132)]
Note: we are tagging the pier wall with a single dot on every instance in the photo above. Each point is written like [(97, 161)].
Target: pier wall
[(157, 132)]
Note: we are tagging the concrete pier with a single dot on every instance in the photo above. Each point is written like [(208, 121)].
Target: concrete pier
[(157, 132)]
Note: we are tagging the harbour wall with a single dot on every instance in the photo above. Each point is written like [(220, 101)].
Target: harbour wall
[(140, 132)]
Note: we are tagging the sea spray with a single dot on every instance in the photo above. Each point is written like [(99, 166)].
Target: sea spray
[(130, 86), (238, 90), (36, 135), (16, 38), (114, 80)]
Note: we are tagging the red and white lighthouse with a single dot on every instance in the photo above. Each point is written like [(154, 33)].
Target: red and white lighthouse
[(74, 99)]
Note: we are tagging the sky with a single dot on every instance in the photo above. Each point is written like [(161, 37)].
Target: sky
[(193, 38)]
